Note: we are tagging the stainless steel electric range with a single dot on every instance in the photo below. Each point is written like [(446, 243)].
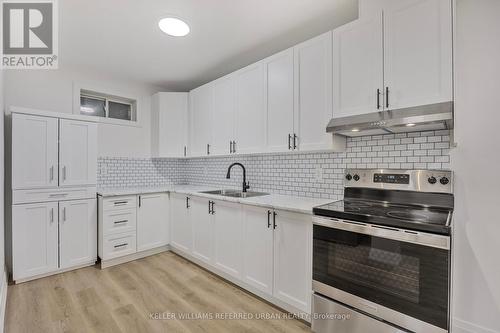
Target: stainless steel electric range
[(381, 256)]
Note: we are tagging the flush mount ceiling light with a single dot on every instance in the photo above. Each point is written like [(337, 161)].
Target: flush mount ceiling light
[(355, 130), (410, 125), (174, 27)]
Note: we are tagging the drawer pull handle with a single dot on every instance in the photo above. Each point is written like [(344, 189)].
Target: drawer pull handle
[(58, 194), (122, 221), (120, 245), (120, 203)]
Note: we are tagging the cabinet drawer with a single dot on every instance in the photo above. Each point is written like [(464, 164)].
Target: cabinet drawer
[(118, 203), (55, 194), (120, 221), (119, 245)]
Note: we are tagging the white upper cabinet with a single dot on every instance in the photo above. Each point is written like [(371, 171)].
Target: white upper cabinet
[(152, 221), (201, 106), (418, 52), (358, 79), (77, 153), (399, 55), (313, 93), (250, 129), (169, 124), (34, 239), (34, 152), (279, 99), (77, 232), (223, 115), (228, 252)]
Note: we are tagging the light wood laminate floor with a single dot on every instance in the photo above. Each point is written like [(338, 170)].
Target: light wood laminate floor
[(121, 299)]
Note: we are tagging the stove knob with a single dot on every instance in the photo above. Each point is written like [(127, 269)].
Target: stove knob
[(348, 176), (432, 180), (356, 177), (444, 180)]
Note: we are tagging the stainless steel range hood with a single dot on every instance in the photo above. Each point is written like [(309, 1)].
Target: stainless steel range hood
[(422, 118)]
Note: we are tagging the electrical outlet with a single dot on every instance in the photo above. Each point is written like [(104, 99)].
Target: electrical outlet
[(318, 173), (104, 169)]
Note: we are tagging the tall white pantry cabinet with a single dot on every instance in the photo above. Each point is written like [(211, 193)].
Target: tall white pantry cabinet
[(52, 224)]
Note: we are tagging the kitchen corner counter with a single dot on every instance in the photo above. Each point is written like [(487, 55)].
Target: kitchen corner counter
[(302, 205)]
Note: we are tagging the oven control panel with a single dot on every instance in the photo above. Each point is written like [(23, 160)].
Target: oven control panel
[(411, 180)]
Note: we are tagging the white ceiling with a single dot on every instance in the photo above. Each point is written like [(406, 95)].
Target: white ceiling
[(122, 38)]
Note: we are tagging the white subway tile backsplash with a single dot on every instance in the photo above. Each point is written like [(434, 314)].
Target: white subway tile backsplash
[(285, 173)]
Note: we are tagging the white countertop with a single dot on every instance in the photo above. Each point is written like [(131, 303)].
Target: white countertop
[(275, 201)]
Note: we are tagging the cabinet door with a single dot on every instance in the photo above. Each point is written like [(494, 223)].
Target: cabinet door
[(358, 67), (203, 231), (34, 239), (228, 237), (313, 92), (201, 106), (279, 70), (257, 248), (181, 227), (293, 259), (172, 123), (34, 151), (152, 221), (418, 52), (222, 125), (77, 153), (250, 128), (77, 232)]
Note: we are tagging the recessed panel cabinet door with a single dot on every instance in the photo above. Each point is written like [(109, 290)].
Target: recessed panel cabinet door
[(152, 221), (34, 151), (279, 70), (34, 239), (313, 92), (250, 130), (228, 254), (358, 67), (257, 248), (203, 231), (77, 232), (223, 116), (293, 259), (77, 153), (418, 52), (180, 221), (201, 104)]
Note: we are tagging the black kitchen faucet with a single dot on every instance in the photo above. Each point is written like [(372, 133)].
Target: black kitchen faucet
[(246, 185)]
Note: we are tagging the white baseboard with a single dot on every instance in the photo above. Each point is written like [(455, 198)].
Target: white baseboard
[(3, 298), (462, 326)]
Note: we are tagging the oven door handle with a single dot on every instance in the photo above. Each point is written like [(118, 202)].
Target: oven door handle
[(408, 236)]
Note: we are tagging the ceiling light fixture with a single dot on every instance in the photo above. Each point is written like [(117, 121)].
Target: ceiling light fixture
[(174, 27), (355, 130), (410, 125)]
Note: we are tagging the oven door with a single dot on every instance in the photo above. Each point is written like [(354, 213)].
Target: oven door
[(400, 276)]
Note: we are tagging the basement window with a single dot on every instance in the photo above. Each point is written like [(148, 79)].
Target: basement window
[(107, 106)]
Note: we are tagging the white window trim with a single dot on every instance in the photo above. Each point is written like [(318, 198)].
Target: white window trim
[(78, 87)]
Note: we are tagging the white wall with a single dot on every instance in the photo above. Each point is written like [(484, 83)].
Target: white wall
[(3, 279), (476, 160), (53, 90)]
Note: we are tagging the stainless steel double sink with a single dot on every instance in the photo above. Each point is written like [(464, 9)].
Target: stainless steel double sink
[(235, 193)]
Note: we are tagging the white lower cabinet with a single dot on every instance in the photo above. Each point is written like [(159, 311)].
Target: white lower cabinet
[(293, 259), (51, 236), (227, 224), (181, 228), (152, 217), (135, 225), (77, 232), (265, 250), (34, 239), (203, 230), (257, 248)]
